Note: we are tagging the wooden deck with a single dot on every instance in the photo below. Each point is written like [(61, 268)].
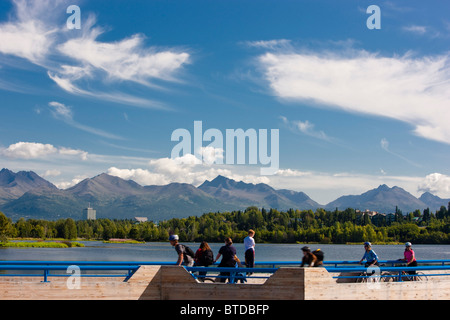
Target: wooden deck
[(175, 283)]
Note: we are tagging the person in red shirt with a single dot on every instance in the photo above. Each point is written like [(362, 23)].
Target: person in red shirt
[(410, 257)]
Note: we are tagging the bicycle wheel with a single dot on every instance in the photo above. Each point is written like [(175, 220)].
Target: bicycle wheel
[(420, 276), (362, 278), (209, 280), (387, 277)]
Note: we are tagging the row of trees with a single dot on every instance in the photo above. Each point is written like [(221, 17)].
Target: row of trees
[(270, 225)]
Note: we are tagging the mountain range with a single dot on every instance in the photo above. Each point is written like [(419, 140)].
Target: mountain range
[(26, 194)]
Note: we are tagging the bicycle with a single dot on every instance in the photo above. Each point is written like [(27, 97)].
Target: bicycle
[(418, 276), (364, 277), (406, 276)]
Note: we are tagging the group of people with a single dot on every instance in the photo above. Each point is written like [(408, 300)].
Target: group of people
[(205, 257), (372, 258)]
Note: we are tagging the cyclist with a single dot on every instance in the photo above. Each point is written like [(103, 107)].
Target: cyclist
[(410, 257), (370, 256)]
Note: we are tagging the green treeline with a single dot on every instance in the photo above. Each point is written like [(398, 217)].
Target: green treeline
[(275, 226)]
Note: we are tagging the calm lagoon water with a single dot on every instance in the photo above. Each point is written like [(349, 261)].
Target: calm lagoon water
[(99, 251)]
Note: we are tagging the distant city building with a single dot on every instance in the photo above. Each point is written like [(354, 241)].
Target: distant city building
[(141, 219), (89, 213)]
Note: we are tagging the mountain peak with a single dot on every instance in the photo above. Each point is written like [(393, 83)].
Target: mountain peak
[(383, 187), (6, 177), (14, 185), (219, 181), (241, 194), (104, 184)]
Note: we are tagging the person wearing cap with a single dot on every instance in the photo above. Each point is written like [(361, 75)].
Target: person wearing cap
[(370, 256), (183, 258), (409, 257), (308, 257)]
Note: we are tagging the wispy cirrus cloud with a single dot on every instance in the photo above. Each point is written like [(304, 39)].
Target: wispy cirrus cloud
[(124, 60), (270, 44), (26, 36), (416, 29), (384, 143), (80, 64), (415, 90), (306, 128), (65, 113), (428, 31)]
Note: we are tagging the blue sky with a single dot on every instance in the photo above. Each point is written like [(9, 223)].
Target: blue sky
[(355, 107)]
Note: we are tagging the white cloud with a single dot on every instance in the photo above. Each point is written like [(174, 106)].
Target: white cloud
[(29, 40), (80, 64), (270, 44), (384, 143), (416, 29), (186, 169), (212, 155), (59, 110), (291, 173), (73, 182), (67, 84), (127, 59), (65, 113), (412, 90), (33, 150), (305, 127), (436, 183), (141, 176), (51, 173), (26, 35), (29, 150), (71, 152)]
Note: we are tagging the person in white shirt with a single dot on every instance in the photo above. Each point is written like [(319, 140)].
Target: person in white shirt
[(249, 244)]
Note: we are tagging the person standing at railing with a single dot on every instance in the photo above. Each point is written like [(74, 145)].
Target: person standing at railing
[(184, 258), (204, 257), (410, 257), (249, 244), (229, 258), (370, 256), (308, 258)]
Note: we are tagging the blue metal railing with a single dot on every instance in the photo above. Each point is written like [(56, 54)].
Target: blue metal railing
[(347, 263), (126, 269), (233, 275)]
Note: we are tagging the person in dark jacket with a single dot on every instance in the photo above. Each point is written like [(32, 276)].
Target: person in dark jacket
[(229, 258), (204, 257), (308, 257)]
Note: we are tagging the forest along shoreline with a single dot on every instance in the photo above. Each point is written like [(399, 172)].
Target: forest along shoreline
[(271, 226)]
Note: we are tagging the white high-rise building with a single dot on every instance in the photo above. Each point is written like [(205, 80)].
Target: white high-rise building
[(89, 213)]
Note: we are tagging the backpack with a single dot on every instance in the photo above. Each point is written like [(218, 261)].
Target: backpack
[(208, 258), (189, 251), (319, 254)]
